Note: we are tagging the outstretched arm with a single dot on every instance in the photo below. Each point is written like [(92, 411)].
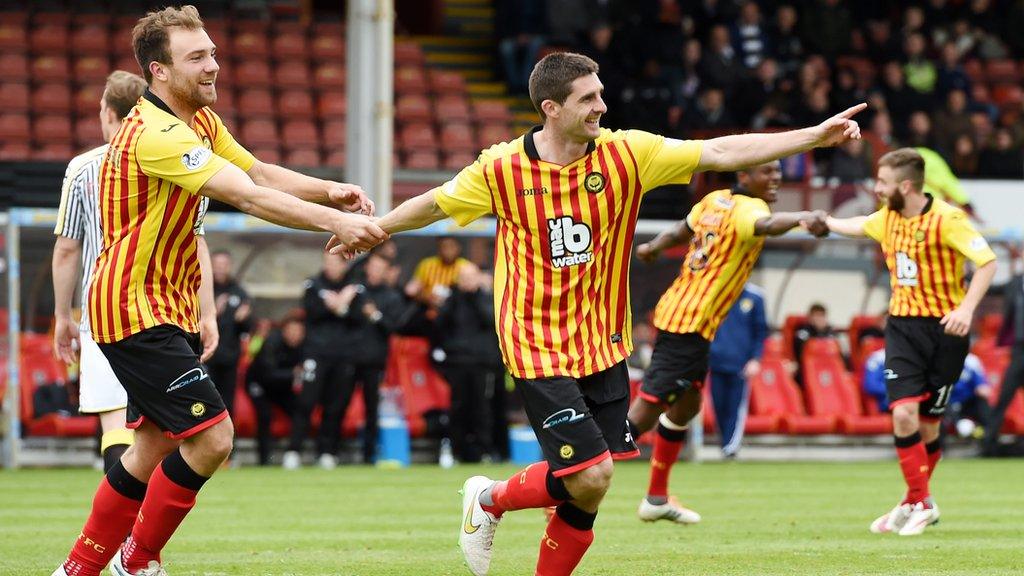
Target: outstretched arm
[(348, 197), (679, 233), (852, 227), (730, 153), (412, 214), (782, 222)]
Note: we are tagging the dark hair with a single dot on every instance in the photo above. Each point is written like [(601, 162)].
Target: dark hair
[(908, 163), (123, 91), (150, 37), (553, 76), (817, 308)]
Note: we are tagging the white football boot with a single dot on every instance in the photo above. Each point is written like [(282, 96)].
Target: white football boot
[(922, 516), (671, 510), (476, 535), (891, 521), (153, 569)]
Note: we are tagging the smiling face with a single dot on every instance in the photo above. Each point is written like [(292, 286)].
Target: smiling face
[(579, 118), (192, 72), (762, 181)]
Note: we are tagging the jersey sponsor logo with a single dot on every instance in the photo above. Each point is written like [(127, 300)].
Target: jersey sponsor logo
[(563, 416), (570, 242), (191, 377), (533, 191), (906, 270), (594, 182), (196, 158)]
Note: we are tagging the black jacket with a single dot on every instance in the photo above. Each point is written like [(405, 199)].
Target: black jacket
[(369, 335), (273, 368), (229, 348), (327, 333), (465, 329)]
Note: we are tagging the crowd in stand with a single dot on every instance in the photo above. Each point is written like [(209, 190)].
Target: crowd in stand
[(686, 68)]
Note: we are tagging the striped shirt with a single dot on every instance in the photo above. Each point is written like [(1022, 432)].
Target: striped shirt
[(147, 273), (433, 271), (722, 255), (926, 256), (563, 245)]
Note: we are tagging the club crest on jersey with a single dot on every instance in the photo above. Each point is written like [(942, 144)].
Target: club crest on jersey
[(570, 242), (919, 235), (594, 182)]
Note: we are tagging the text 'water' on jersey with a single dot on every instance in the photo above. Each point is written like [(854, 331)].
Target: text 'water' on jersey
[(147, 273), (722, 255), (926, 255), (564, 239)]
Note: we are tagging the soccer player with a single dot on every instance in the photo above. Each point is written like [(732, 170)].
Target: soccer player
[(79, 239), (171, 151), (566, 196), (726, 231), (926, 242)]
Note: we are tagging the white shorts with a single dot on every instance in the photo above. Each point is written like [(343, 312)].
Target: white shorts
[(100, 390)]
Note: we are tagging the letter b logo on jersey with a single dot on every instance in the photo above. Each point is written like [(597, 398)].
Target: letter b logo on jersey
[(570, 242), (906, 270)]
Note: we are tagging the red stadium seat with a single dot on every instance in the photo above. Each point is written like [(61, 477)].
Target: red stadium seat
[(788, 330), (50, 68), (423, 389), (990, 325), (974, 70), (121, 37), (296, 104), (250, 44), (93, 39), (831, 392), (259, 133), (329, 75), (995, 361), (128, 63), (773, 347), (252, 73), (452, 109), (87, 99), (289, 46), (267, 153), (307, 158), (774, 396), (332, 105), (14, 96), (12, 151), (446, 82), (491, 111), (49, 39), (46, 18), (1008, 95), (491, 134), (256, 103), (417, 135), (52, 130), (225, 100), (60, 152), (217, 29), (335, 158), (421, 160), (91, 69), (327, 48), (334, 134), (300, 134), (458, 137), (88, 132), (1002, 70), (413, 108), (857, 325), (292, 74), (410, 79), (13, 36), (13, 67), (52, 99), (408, 53), (458, 159), (14, 127)]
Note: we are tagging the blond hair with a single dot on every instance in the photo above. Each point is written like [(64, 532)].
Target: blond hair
[(908, 165), (150, 37), (123, 90)]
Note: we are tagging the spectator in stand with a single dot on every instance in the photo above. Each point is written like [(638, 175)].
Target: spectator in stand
[(847, 92), (919, 131), (720, 66), (272, 377), (710, 113), (900, 101), (757, 91), (950, 74), (952, 121), (964, 160), (913, 22), (787, 47), (648, 99), (1002, 158), (881, 127), (918, 69), (466, 354), (688, 85), (1013, 23), (374, 313), (750, 36), (851, 163), (434, 275), (1012, 335), (520, 27), (326, 301), (735, 358), (815, 106), (564, 25), (982, 127), (604, 46), (816, 326), (882, 46), (234, 309), (827, 25)]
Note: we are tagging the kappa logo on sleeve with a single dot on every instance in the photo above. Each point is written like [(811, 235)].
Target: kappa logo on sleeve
[(196, 158)]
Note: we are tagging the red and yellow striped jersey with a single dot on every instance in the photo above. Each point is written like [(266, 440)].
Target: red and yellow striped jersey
[(563, 245), (148, 272), (722, 255), (433, 271), (925, 256)]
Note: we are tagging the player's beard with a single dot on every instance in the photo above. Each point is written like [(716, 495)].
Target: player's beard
[(896, 202), (191, 95)]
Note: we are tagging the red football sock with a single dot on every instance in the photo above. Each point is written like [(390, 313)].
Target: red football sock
[(171, 495), (114, 509), (914, 464), (934, 450), (667, 444), (564, 545), (527, 488)]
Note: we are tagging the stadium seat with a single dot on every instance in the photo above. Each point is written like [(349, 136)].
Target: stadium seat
[(305, 157), (46, 17), (869, 346), (267, 153), (773, 347), (50, 68), (1001, 70), (490, 134), (128, 63), (225, 100), (52, 99), (259, 133), (774, 396), (91, 39), (423, 389), (857, 325), (831, 392), (458, 159), (14, 127), (417, 136), (256, 103), (13, 36), (332, 105), (121, 37), (990, 325), (55, 129), (14, 96), (88, 133), (53, 153), (335, 158), (253, 73), (995, 362), (788, 330), (49, 39), (289, 46), (327, 48), (14, 151), (452, 108), (459, 137), (974, 70), (13, 67), (421, 160), (444, 82), (292, 74), (413, 108), (329, 75), (491, 111), (91, 69), (300, 134), (296, 104), (408, 53), (410, 79), (1007, 95), (250, 44), (87, 99)]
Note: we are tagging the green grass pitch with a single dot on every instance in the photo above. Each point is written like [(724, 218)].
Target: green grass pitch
[(759, 519)]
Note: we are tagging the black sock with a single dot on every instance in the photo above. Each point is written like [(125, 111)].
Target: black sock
[(112, 455), (575, 517), (556, 488), (669, 434), (179, 472), (907, 441), (124, 483), (934, 446)]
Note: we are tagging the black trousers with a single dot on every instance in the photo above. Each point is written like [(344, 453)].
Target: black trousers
[(264, 398), (322, 382), (369, 377), (1013, 380), (224, 374), (471, 418)]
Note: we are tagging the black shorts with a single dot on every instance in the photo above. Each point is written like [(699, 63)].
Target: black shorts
[(922, 363), (580, 421), (678, 363), (159, 368)]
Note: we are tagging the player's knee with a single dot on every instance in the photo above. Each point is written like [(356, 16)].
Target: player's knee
[(904, 419), (218, 441), (591, 482)]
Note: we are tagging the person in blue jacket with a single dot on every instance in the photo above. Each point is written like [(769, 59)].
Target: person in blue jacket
[(736, 356)]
